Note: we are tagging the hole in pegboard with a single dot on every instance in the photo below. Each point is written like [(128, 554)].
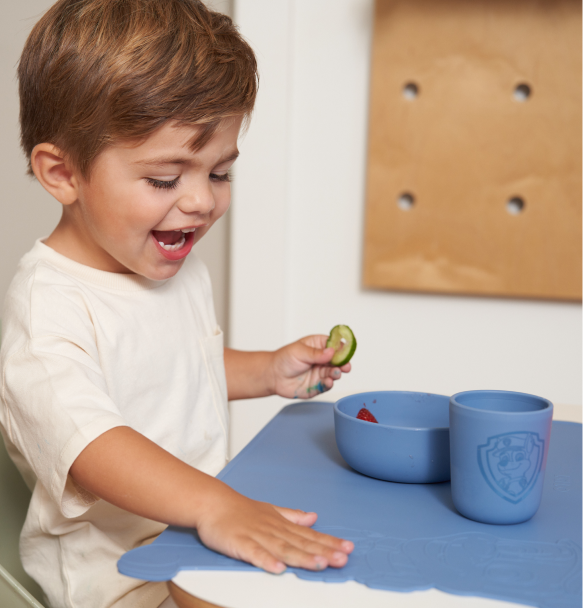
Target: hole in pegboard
[(411, 91), (515, 205), (522, 92), (406, 201)]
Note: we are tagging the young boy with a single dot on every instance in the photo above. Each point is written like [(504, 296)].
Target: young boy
[(114, 379)]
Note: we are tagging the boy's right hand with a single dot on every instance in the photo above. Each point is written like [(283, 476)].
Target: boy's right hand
[(269, 537), (130, 471)]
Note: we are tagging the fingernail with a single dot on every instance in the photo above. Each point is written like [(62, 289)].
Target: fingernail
[(320, 562), (336, 373), (280, 568), (347, 545), (338, 555)]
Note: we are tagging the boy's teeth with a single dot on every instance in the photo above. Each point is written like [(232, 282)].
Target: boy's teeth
[(178, 245)]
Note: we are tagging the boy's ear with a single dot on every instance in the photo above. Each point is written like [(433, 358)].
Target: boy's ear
[(52, 170)]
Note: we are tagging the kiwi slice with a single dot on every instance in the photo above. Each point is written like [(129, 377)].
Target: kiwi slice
[(342, 340)]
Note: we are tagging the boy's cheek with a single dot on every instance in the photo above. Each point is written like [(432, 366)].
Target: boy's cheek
[(200, 232)]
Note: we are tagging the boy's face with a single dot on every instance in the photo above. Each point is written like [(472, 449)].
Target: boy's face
[(145, 206)]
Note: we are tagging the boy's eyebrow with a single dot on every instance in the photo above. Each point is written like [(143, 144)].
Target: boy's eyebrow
[(171, 160)]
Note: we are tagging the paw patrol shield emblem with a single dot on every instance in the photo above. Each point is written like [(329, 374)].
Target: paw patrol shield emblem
[(511, 462)]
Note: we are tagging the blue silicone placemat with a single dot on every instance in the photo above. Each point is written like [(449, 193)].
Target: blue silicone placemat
[(407, 536)]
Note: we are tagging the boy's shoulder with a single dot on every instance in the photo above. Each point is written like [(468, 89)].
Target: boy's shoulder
[(37, 290), (43, 268), (51, 293), (35, 268), (37, 276)]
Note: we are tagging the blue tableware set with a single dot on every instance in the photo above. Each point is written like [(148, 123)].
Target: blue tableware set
[(495, 444), (386, 487)]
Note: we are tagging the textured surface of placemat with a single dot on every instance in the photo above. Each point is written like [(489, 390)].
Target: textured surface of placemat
[(407, 536)]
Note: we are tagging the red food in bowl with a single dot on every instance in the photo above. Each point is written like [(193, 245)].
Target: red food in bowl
[(365, 414)]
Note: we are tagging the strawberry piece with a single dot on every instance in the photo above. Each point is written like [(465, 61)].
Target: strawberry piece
[(365, 414)]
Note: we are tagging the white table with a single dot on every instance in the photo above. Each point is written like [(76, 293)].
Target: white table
[(227, 589)]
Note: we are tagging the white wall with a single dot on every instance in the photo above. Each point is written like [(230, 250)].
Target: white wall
[(297, 230), (27, 212)]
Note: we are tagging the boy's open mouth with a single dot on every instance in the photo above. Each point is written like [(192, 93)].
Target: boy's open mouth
[(174, 244), (171, 240)]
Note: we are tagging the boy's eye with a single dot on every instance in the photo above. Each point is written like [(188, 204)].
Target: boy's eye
[(223, 177), (165, 185)]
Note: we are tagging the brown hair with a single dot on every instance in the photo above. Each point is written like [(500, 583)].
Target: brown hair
[(94, 72)]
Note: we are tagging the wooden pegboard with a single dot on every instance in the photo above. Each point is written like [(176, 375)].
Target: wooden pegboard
[(495, 117)]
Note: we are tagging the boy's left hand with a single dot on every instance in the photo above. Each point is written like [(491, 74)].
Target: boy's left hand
[(302, 370)]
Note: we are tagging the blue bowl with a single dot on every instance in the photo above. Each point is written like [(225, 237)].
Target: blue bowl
[(410, 443)]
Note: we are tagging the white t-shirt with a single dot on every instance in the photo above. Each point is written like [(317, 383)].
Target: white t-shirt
[(85, 351)]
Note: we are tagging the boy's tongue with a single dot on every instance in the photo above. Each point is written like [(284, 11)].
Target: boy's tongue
[(168, 237)]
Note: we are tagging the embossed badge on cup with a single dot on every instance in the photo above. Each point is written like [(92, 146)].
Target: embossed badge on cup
[(511, 462)]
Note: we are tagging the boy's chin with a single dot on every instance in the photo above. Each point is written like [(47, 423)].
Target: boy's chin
[(163, 271), (151, 266)]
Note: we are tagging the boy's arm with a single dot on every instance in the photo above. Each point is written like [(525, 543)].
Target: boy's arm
[(299, 370), (128, 470), (247, 373)]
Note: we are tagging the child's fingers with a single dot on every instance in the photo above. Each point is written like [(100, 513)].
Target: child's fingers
[(331, 372), (297, 516), (273, 548), (328, 542), (314, 355), (262, 558), (317, 343), (316, 340), (285, 547), (296, 557), (334, 372), (312, 349), (313, 551), (279, 553), (304, 519), (268, 537)]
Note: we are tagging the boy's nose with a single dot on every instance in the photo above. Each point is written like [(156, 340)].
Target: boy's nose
[(200, 200)]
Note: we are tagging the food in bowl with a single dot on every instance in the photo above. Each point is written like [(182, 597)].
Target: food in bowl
[(365, 414)]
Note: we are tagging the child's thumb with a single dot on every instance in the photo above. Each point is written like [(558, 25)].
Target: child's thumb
[(316, 356)]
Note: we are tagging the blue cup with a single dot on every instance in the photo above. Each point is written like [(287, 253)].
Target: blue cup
[(499, 442)]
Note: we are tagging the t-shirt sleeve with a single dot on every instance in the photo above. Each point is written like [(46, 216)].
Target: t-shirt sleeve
[(57, 402)]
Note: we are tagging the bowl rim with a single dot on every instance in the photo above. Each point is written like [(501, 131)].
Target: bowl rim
[(391, 426), (496, 393)]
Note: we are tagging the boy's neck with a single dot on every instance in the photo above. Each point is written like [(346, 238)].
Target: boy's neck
[(68, 240)]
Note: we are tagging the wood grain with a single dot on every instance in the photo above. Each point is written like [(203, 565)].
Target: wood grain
[(464, 146), (185, 600)]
